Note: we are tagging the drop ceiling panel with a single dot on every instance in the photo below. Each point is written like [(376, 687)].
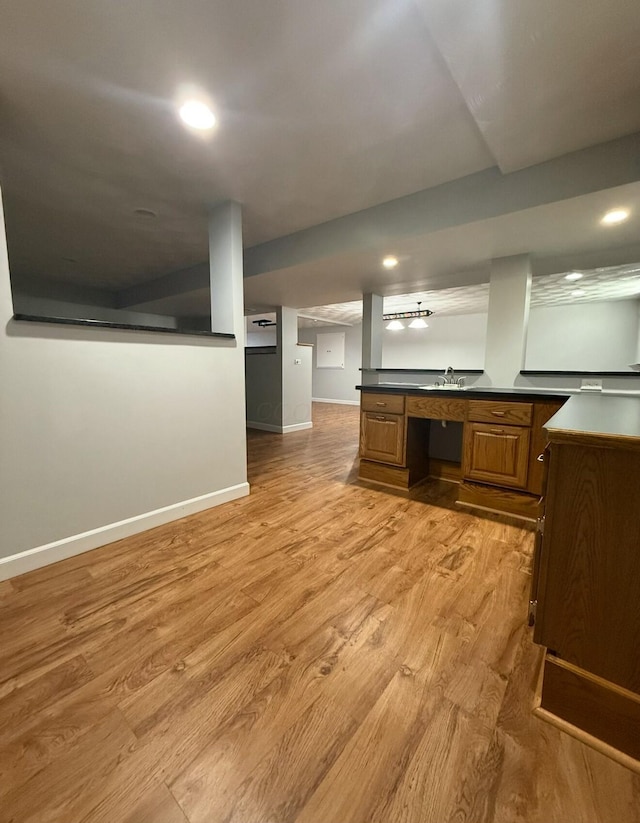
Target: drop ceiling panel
[(596, 286)]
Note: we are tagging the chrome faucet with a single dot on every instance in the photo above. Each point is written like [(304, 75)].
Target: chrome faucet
[(449, 379)]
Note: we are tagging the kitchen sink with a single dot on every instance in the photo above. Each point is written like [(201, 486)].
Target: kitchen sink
[(447, 387)]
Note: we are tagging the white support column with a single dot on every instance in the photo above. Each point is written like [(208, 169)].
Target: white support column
[(225, 266), (295, 363), (509, 294), (372, 330)]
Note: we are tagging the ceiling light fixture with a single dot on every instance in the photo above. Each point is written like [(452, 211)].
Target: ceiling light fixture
[(390, 262), (574, 275), (416, 318), (418, 322), (197, 115), (615, 216), (578, 293)]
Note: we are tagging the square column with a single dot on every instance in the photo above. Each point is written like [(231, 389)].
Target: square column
[(372, 329), (225, 266), (508, 320)]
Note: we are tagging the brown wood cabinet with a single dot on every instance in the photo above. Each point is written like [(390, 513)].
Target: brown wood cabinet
[(382, 437), (498, 455), (588, 609), (500, 411), (497, 469), (585, 589)]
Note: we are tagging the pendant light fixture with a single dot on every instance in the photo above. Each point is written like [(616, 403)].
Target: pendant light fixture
[(418, 322), (395, 325), (417, 318)]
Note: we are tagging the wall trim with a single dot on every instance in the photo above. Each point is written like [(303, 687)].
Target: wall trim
[(296, 427), (265, 427), (31, 559), (270, 427), (341, 402)]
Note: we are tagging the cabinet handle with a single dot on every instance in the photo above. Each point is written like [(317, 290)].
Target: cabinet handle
[(498, 413), (497, 431), (540, 458), (380, 403), (380, 417)]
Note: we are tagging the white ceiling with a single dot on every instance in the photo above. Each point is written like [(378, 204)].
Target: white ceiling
[(564, 235), (598, 285), (325, 109), (542, 77)]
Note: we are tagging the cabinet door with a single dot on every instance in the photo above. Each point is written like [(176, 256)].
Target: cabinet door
[(382, 437), (588, 604), (498, 455)]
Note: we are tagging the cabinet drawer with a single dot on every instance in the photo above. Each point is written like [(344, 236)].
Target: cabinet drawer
[(495, 411), (437, 408), (497, 454), (391, 403), (382, 437)]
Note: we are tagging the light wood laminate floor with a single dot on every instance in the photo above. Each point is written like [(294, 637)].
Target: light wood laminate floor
[(319, 652)]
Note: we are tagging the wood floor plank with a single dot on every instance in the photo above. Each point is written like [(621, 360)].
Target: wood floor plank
[(430, 788), (376, 755), (49, 733), (64, 790), (321, 669), (158, 806), (18, 708), (281, 783), (321, 651)]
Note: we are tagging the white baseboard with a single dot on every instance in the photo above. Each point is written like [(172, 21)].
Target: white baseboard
[(264, 427), (270, 427), (296, 427), (340, 402), (32, 559)]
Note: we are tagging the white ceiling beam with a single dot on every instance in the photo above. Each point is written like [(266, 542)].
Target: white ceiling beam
[(477, 197)]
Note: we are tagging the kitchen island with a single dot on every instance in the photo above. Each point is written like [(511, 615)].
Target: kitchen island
[(572, 461), (501, 439), (586, 575)]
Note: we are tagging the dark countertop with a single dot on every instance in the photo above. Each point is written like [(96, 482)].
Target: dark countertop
[(605, 416), (106, 324), (471, 392), (419, 371)]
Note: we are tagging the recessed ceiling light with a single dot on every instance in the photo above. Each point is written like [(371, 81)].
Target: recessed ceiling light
[(574, 275), (145, 213), (578, 293), (615, 216), (197, 114), (395, 325), (390, 262)]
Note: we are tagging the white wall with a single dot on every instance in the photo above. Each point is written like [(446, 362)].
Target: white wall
[(450, 340), (583, 336), (337, 384), (260, 335), (296, 372), (264, 390), (49, 307), (99, 426)]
